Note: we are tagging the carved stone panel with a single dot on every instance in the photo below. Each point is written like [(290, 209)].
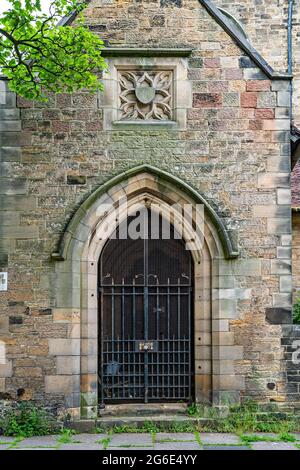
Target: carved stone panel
[(146, 95)]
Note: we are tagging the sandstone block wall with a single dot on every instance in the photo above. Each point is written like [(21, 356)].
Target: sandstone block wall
[(265, 23), (233, 149), (296, 254)]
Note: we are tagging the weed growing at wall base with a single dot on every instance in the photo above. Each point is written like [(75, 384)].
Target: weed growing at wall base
[(296, 311), (26, 420)]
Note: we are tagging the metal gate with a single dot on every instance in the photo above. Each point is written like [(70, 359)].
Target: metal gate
[(145, 292)]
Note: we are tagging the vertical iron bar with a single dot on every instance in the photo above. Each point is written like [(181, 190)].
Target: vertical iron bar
[(133, 336), (178, 310), (146, 313), (146, 293), (169, 339), (118, 355), (113, 333), (102, 350), (178, 346), (189, 342), (123, 335), (163, 366), (133, 310), (175, 379), (157, 337)]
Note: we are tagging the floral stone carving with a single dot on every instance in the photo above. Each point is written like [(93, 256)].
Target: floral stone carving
[(146, 95)]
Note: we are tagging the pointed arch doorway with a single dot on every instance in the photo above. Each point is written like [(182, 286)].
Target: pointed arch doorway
[(146, 316), (77, 260)]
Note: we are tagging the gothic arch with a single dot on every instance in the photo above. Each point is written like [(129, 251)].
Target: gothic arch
[(164, 181), (76, 279)]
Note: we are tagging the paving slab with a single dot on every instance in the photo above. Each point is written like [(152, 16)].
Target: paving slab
[(220, 447), (165, 436), (6, 439), (81, 447), (177, 446), (273, 446), (34, 448), (133, 449), (89, 438), (131, 439), (219, 438), (262, 435), (39, 441)]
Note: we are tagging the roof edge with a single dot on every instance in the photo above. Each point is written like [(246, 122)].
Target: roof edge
[(240, 39)]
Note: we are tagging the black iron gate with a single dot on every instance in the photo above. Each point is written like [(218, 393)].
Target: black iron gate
[(145, 292)]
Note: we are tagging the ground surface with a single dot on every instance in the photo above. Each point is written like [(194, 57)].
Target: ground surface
[(159, 441)]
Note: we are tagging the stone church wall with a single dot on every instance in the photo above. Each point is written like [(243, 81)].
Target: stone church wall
[(231, 145)]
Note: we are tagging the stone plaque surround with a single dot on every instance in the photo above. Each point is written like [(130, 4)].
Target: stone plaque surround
[(146, 91)]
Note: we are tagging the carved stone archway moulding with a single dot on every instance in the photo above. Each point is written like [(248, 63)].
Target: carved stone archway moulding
[(77, 281)]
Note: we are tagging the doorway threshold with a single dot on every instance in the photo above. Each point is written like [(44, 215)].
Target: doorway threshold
[(143, 410)]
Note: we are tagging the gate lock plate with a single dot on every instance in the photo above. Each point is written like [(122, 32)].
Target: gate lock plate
[(146, 346)]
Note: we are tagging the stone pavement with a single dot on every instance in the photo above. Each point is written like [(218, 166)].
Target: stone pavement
[(159, 441)]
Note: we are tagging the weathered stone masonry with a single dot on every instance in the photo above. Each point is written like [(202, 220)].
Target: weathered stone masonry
[(228, 140)]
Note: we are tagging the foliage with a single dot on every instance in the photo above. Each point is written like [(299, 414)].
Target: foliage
[(38, 55), (26, 420), (147, 426), (66, 436), (247, 418), (202, 411), (192, 410), (105, 442), (283, 437), (296, 311)]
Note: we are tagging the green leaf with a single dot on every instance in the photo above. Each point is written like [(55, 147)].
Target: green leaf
[(38, 56)]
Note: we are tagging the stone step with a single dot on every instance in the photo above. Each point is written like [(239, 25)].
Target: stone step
[(162, 421), (139, 409)]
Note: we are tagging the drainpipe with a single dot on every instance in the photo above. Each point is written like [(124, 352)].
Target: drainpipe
[(290, 51)]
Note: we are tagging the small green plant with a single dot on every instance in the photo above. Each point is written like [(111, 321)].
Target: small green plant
[(66, 436), (105, 442), (198, 438), (150, 427), (98, 430), (193, 410), (248, 439), (248, 418), (287, 437), (296, 311), (202, 411), (178, 427), (283, 436), (125, 428), (26, 420), (241, 418), (147, 427)]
